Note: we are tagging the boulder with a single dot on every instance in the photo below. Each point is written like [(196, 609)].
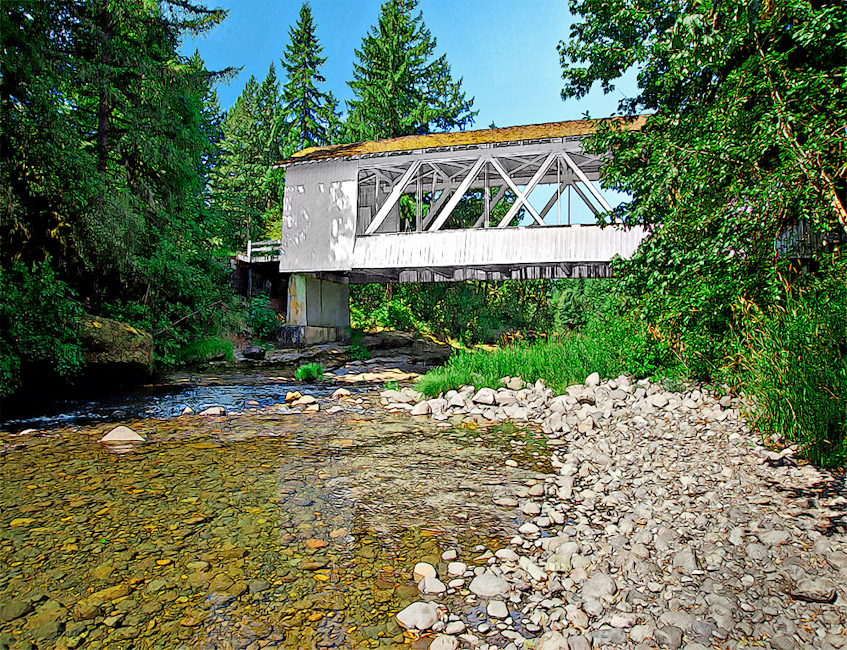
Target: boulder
[(488, 585), (115, 351), (254, 352)]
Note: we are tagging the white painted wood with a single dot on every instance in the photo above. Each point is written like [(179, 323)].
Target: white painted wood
[(518, 194), (457, 195), (537, 176), (393, 197), (581, 175), (495, 247)]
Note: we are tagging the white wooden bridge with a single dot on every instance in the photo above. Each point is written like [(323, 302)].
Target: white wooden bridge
[(475, 205)]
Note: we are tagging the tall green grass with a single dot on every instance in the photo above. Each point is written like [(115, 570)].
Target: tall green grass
[(795, 369), (609, 346), (205, 349)]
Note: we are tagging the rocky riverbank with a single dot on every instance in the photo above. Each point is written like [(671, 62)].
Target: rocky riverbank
[(666, 524)]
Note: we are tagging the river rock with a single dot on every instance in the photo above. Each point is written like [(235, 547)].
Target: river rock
[(213, 410), (552, 640), (489, 585), (421, 408), (423, 570), (432, 586), (497, 609), (340, 393), (456, 568), (418, 616), (122, 434), (12, 609), (599, 586), (254, 352), (819, 590), (485, 396), (444, 642), (115, 350)]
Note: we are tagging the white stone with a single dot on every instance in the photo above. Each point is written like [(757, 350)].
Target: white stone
[(422, 408), (456, 568), (432, 586), (488, 585), (444, 642), (593, 380), (532, 569), (485, 396), (122, 434), (449, 555), (423, 570), (507, 554), (418, 616), (340, 392), (497, 609), (213, 410), (552, 641)]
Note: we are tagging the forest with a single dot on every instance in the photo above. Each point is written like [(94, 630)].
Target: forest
[(125, 188)]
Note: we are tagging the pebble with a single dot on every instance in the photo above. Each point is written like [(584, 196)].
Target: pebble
[(488, 585), (418, 616)]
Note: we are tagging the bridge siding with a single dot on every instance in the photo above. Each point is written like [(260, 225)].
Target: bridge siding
[(495, 247)]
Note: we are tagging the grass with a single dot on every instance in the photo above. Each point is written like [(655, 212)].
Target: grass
[(206, 349), (610, 346), (309, 372), (559, 363)]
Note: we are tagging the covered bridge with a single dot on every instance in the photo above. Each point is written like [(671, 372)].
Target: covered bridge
[(393, 211)]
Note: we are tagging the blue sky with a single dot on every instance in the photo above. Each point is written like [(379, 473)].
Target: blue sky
[(504, 51)]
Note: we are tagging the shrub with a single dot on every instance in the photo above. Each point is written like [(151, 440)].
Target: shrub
[(38, 315), (359, 352), (309, 372), (262, 318), (206, 349)]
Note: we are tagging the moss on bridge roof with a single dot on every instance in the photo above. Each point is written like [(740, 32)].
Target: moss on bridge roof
[(549, 130)]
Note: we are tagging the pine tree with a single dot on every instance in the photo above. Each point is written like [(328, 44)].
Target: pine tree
[(399, 88), (310, 117), (244, 186)]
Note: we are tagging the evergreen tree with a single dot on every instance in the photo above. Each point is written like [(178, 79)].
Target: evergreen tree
[(310, 116), (244, 187), (399, 88)]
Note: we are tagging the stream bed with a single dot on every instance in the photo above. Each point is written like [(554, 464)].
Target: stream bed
[(266, 527)]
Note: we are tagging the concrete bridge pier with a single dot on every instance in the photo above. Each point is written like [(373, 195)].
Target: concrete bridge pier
[(318, 309)]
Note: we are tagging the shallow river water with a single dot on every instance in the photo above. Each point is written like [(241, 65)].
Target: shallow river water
[(264, 528)]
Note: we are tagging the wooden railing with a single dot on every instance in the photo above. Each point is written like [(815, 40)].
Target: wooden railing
[(267, 250)]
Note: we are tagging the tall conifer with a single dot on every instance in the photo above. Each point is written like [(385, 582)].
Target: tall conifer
[(399, 88), (310, 116)]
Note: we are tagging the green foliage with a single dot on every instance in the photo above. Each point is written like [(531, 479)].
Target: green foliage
[(797, 376), (105, 134), (359, 352), (38, 315), (309, 116), (468, 311), (744, 139), (206, 349), (262, 318), (309, 372), (399, 88), (391, 385)]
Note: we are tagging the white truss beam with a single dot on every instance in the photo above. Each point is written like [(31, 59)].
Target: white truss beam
[(521, 197), (581, 175), (393, 198), (447, 210)]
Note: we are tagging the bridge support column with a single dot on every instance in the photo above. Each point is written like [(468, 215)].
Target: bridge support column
[(318, 310)]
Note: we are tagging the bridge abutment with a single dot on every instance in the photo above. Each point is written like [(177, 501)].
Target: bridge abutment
[(317, 310)]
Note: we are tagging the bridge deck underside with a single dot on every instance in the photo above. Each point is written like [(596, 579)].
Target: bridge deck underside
[(512, 253)]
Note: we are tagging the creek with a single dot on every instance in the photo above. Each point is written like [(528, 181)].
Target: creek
[(267, 527)]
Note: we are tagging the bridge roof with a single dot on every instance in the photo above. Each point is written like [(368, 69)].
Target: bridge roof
[(545, 131)]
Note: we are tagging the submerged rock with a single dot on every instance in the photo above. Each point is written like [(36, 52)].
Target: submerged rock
[(122, 434)]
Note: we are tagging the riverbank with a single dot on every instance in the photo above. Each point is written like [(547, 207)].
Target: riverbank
[(665, 523)]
